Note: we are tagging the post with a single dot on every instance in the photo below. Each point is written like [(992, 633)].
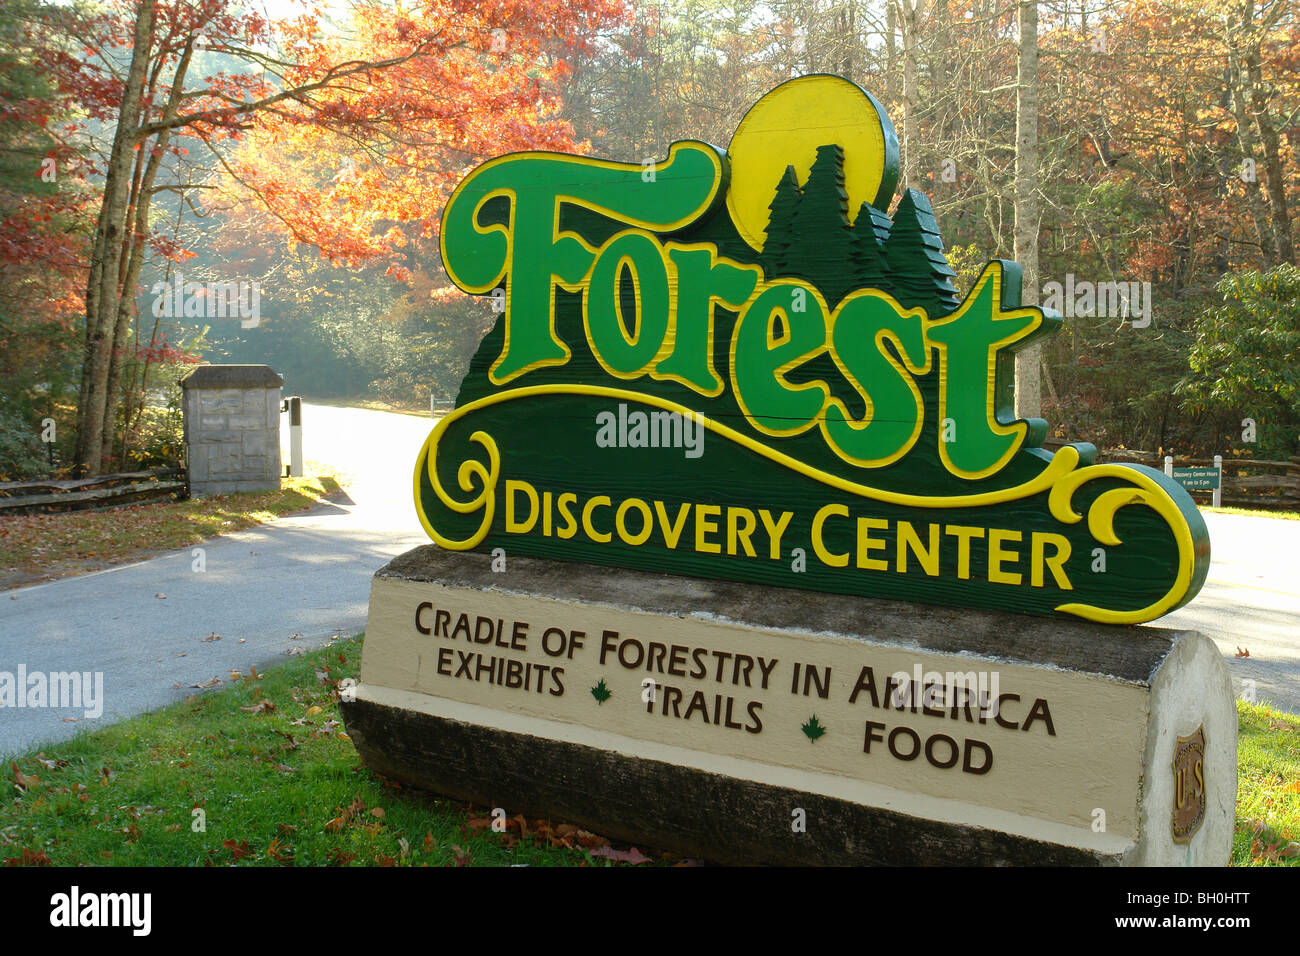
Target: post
[(294, 404), (1218, 485), (1169, 465)]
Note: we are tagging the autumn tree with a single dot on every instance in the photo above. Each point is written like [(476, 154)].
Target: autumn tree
[(434, 63)]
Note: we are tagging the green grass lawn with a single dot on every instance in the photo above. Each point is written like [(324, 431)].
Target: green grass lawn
[(1254, 512), (278, 783), (1268, 787), (39, 547)]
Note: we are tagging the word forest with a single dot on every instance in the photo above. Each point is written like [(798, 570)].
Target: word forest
[(858, 408)]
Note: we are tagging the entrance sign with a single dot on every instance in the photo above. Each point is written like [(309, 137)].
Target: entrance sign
[(1198, 479), (739, 369), (739, 366)]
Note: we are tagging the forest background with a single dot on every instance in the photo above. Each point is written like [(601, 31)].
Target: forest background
[(299, 154)]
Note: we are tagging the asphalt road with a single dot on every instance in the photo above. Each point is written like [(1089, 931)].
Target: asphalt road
[(293, 583), (1251, 602), (303, 579)]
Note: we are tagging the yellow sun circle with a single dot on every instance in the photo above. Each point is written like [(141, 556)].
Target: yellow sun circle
[(786, 126)]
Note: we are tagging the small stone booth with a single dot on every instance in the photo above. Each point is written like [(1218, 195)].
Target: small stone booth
[(232, 429)]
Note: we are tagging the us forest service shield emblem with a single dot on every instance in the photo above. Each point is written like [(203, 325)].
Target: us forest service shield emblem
[(1189, 785)]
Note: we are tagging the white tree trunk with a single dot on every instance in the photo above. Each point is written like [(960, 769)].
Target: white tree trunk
[(1028, 361)]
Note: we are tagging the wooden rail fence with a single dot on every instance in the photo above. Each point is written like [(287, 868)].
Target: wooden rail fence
[(76, 494), (1247, 482)]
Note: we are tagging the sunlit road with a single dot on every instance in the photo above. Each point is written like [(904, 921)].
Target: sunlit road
[(294, 582), (1251, 601), (304, 578)]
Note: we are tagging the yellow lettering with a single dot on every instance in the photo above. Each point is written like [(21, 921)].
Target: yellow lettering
[(571, 524), (997, 554), (867, 544), (520, 527), (1038, 543), (775, 531), (647, 522), (929, 557), (672, 532), (587, 509), (704, 526), (827, 558), (963, 534), (740, 525)]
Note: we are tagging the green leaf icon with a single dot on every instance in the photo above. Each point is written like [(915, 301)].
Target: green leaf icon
[(601, 692), (813, 729)]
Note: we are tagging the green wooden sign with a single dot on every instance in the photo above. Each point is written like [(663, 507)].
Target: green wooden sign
[(1198, 479), (738, 365)]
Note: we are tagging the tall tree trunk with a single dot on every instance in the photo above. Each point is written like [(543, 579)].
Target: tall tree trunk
[(103, 291), (891, 55), (1246, 140), (135, 258), (1028, 388), (910, 14), (1268, 139)]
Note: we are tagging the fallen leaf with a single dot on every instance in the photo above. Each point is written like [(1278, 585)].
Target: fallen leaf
[(214, 636), (210, 682), (590, 840), (378, 812), (280, 854), (260, 707), (313, 710), (160, 596), (632, 856), (237, 850), (1241, 652), (25, 781), (29, 858)]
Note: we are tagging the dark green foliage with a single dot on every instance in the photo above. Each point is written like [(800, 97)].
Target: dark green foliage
[(1246, 358), (823, 249), (920, 274), (780, 224), (872, 229), (21, 453)]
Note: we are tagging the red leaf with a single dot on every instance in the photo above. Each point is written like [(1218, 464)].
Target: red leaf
[(632, 856)]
